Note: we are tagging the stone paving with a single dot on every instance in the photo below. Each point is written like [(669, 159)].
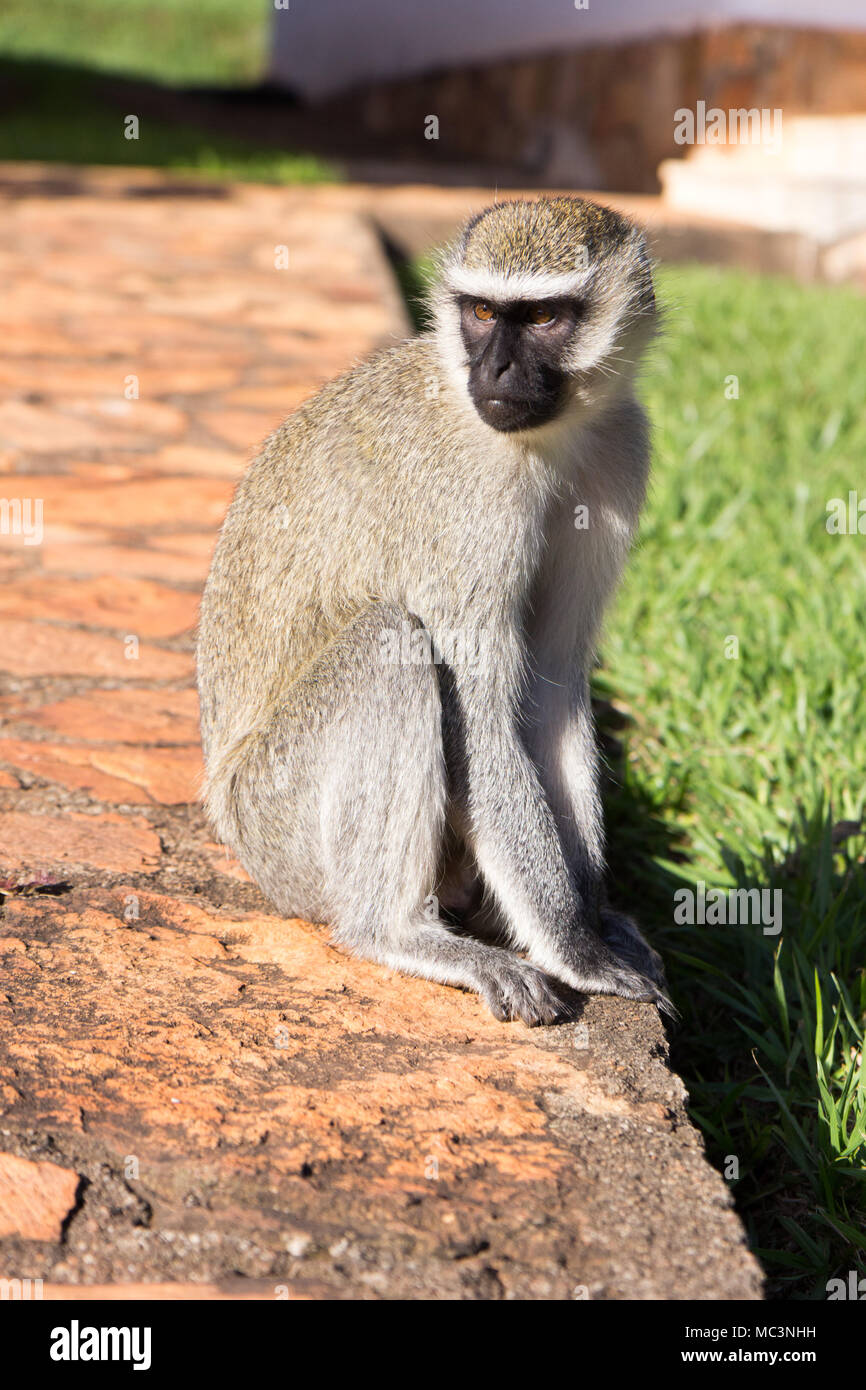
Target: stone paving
[(196, 1095)]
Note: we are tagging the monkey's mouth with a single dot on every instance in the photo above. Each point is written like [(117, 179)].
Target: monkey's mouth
[(508, 413)]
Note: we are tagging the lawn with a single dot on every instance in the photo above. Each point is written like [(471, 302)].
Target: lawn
[(65, 86), (171, 41), (732, 712), (67, 116), (744, 760)]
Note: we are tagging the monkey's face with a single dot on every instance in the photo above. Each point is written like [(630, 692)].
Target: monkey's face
[(543, 309), (516, 352)]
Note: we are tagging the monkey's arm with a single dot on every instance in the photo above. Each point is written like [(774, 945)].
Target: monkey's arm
[(563, 746), (520, 855), (568, 747)]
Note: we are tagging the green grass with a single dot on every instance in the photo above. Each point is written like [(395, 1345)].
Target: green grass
[(64, 89), (170, 41), (735, 771), (62, 115)]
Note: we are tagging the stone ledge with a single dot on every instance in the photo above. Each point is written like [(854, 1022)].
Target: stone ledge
[(237, 1094)]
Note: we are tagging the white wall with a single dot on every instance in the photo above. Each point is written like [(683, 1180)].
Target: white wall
[(324, 46)]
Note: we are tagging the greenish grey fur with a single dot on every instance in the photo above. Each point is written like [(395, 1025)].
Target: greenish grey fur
[(354, 787)]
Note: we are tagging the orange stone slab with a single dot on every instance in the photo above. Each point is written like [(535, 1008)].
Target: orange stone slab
[(114, 716), (141, 606), (119, 844), (43, 649), (35, 1198)]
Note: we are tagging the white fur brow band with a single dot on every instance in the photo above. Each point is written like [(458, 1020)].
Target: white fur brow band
[(525, 285)]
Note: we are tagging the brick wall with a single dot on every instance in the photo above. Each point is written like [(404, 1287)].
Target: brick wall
[(604, 116)]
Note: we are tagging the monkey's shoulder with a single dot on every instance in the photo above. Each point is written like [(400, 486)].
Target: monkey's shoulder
[(373, 412)]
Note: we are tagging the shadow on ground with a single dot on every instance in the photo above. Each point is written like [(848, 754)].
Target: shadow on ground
[(73, 114), (750, 1006)]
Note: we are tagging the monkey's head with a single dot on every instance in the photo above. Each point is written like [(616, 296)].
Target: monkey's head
[(546, 307)]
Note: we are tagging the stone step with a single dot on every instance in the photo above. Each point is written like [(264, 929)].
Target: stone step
[(813, 181)]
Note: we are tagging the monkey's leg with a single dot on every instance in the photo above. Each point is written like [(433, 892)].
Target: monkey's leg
[(340, 804)]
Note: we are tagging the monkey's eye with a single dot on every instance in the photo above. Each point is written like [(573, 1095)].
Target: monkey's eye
[(484, 312), (540, 314)]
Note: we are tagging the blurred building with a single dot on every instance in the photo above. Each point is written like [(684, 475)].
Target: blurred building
[(587, 96)]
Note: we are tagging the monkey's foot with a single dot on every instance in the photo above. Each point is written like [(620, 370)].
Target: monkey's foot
[(512, 988), (631, 984), (602, 967), (623, 937)]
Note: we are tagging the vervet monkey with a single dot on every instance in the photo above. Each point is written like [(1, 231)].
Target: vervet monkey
[(400, 619)]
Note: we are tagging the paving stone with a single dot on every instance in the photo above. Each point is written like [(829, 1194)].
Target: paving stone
[(108, 378), (164, 502), (243, 426), (224, 862), (389, 1129), (126, 560), (42, 649), (228, 1291), (39, 844), (192, 458), (35, 1198), (114, 772), (41, 430), (135, 605), (117, 716)]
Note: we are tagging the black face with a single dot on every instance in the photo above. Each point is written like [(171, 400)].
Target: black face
[(515, 352)]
